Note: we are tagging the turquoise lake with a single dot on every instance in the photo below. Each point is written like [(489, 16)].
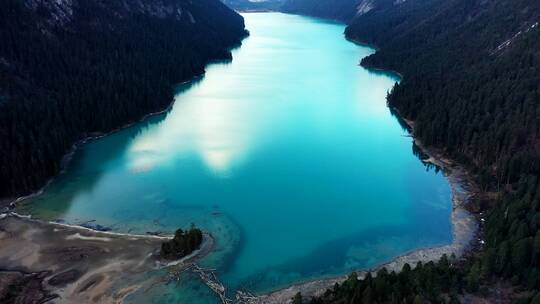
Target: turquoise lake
[(288, 156)]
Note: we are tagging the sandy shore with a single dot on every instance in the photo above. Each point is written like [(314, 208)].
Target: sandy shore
[(75, 264), (464, 229)]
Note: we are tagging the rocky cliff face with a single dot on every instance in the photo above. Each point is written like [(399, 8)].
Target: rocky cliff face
[(63, 12), (364, 6), (344, 10)]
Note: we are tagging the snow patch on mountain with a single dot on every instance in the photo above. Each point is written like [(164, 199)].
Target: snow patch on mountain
[(364, 7)]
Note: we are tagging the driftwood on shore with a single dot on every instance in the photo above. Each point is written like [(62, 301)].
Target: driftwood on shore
[(209, 277)]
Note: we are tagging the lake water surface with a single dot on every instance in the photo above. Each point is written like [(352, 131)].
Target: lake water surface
[(288, 156)]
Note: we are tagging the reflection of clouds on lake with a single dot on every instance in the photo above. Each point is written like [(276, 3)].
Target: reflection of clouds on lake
[(372, 103), (217, 130), (223, 134), (292, 141)]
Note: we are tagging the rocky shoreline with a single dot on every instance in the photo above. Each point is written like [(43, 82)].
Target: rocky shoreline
[(465, 227), (43, 261), (76, 264)]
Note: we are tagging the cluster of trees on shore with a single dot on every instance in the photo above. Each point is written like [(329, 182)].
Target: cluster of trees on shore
[(78, 68), (430, 283), (512, 253), (433, 282), (182, 244), (472, 86)]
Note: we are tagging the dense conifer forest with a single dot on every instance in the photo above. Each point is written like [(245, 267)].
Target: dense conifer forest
[(182, 244), (343, 10), (70, 69), (471, 84), (247, 5)]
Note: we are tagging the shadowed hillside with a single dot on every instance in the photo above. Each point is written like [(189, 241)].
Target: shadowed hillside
[(254, 5), (471, 85), (71, 68), (343, 10)]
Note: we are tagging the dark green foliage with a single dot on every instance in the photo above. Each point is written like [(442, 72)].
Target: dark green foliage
[(343, 10), (425, 283), (106, 64), (471, 83), (182, 244), (467, 92), (297, 299), (536, 299), (513, 246), (247, 5), (472, 86)]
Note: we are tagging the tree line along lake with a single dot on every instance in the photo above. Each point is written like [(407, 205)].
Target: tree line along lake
[(288, 156)]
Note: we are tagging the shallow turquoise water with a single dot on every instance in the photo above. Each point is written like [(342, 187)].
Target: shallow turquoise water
[(288, 155)]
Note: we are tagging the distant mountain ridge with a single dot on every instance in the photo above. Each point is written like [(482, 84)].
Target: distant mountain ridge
[(73, 68), (344, 10), (254, 5)]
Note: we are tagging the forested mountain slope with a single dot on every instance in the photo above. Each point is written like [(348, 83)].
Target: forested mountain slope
[(73, 68), (252, 5), (343, 10), (471, 84), (471, 78)]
